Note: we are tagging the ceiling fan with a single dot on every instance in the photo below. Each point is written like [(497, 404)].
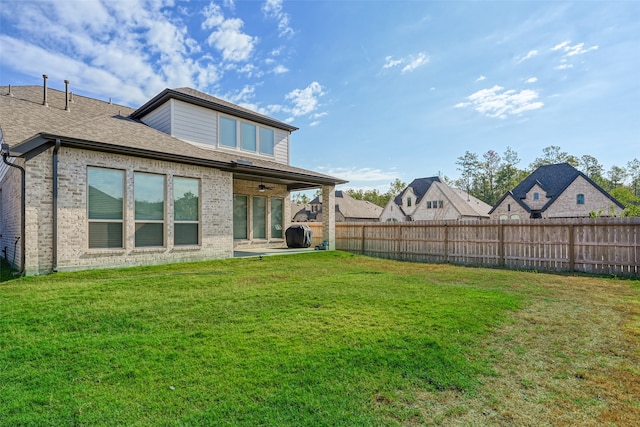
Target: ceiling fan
[(262, 187)]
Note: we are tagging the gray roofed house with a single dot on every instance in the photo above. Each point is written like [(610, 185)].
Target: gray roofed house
[(87, 184), (432, 199), (347, 209), (556, 191)]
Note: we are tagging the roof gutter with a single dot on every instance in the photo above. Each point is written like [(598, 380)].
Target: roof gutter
[(23, 192), (43, 140)]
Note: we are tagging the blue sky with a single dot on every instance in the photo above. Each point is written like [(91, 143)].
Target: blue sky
[(379, 89)]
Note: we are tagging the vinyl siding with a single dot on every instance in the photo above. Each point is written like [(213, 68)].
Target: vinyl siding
[(199, 126), (160, 118), (281, 149), (194, 124)]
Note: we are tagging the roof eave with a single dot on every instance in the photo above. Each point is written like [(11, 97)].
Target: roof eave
[(168, 94), (40, 142)]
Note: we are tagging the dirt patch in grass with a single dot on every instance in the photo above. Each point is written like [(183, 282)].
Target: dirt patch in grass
[(572, 357)]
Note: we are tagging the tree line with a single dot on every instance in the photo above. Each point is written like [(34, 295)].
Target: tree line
[(490, 175)]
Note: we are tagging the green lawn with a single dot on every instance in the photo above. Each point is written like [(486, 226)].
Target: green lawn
[(325, 338), (6, 273)]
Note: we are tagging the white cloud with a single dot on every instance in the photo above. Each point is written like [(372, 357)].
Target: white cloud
[(529, 55), (560, 46), (130, 50), (576, 49), (390, 62), (569, 51), (498, 103), (416, 62), (304, 101), (227, 35), (273, 9), (481, 78), (579, 49), (531, 80), (280, 69), (410, 62)]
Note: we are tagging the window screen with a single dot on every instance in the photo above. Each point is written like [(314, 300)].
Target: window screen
[(105, 206), (186, 208), (149, 192)]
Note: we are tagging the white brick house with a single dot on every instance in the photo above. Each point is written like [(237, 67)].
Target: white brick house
[(556, 191), (185, 177), (431, 199)]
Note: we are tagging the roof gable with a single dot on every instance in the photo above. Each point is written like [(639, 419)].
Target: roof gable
[(554, 179), (464, 203), (195, 97), (419, 186)]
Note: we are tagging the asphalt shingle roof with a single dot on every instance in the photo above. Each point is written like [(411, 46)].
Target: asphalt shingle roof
[(554, 179), (106, 125), (420, 187)]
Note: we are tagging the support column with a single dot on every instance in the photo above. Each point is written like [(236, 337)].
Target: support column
[(329, 215)]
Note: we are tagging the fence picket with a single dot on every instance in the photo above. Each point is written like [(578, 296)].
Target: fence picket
[(590, 245)]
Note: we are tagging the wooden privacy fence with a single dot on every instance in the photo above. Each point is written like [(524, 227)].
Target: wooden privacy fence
[(590, 245)]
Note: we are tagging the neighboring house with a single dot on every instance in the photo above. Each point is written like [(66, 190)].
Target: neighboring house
[(185, 177), (432, 199), (556, 191), (347, 209)]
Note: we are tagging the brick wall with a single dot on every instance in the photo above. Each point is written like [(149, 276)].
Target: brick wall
[(216, 221), (511, 209), (10, 185), (594, 200)]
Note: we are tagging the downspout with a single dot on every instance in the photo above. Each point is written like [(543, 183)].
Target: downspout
[(23, 246), (54, 254)]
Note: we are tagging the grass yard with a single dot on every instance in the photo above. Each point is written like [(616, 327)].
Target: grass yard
[(322, 339)]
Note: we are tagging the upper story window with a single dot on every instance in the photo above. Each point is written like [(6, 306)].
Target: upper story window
[(580, 199), (409, 201), (536, 196), (246, 136), (428, 204)]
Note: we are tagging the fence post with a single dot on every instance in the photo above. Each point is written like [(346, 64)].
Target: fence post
[(362, 242), (501, 244), (446, 244), (572, 254)]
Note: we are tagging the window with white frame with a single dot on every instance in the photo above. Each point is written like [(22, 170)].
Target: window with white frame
[(105, 207), (149, 196), (246, 136), (228, 132), (277, 205), (267, 141), (186, 211), (249, 139)]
